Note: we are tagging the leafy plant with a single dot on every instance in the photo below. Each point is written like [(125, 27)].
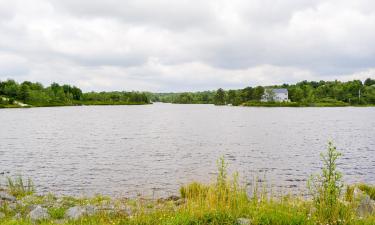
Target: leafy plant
[(326, 188)]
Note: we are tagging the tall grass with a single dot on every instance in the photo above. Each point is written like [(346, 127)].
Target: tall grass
[(368, 189), (19, 188)]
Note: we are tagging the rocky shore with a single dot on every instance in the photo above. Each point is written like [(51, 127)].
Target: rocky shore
[(60, 210)]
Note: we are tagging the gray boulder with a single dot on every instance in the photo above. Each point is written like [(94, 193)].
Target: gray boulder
[(366, 206), (12, 206), (243, 221), (90, 210), (39, 213), (17, 216), (76, 212), (7, 197)]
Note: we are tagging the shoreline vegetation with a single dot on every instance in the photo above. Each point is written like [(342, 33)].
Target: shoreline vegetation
[(28, 94), (224, 201), (302, 94)]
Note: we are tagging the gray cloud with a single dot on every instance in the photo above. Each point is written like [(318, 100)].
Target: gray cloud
[(182, 45)]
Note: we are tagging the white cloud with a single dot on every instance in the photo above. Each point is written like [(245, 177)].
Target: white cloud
[(184, 45)]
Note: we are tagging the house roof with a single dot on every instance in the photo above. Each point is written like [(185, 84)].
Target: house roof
[(280, 91)]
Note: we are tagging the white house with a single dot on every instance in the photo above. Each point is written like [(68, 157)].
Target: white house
[(275, 95)]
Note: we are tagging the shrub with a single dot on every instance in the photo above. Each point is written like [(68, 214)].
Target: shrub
[(326, 189)]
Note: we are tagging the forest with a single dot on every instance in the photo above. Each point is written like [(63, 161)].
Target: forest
[(305, 93), (35, 94)]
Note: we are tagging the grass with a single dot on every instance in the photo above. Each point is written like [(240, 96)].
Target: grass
[(368, 189), (220, 202), (18, 188), (297, 104)]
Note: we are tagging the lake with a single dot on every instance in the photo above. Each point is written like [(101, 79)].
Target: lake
[(153, 149)]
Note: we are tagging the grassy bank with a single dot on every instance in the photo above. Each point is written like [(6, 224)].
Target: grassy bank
[(298, 104), (224, 201)]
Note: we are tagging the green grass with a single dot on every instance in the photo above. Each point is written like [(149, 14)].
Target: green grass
[(296, 104), (19, 188), (368, 189)]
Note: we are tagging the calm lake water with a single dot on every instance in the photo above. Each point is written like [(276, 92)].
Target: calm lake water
[(153, 149)]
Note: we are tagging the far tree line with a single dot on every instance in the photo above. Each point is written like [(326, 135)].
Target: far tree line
[(353, 92), (36, 94)]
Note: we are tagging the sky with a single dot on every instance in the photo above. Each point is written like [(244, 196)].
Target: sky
[(181, 45)]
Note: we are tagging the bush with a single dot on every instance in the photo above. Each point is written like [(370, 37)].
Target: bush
[(326, 189)]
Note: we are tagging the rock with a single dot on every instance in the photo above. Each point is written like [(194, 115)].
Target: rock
[(75, 212), (7, 197), (357, 193), (90, 210), (125, 209), (39, 213), (180, 202), (243, 221), (173, 198), (12, 206), (2, 215), (17, 216), (366, 206)]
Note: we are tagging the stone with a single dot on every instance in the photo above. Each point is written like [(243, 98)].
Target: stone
[(173, 198), (180, 202), (243, 221), (39, 213), (357, 193), (90, 210), (7, 197), (75, 212), (17, 216), (366, 206), (125, 209), (12, 206)]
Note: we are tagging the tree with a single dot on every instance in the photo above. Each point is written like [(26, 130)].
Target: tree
[(219, 98), (23, 93), (270, 95), (77, 93), (247, 94), (231, 96), (369, 82), (258, 93), (10, 88)]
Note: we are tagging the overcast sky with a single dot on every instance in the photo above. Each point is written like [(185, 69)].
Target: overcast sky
[(181, 45)]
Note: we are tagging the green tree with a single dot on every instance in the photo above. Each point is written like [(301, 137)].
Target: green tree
[(369, 82), (258, 93), (24, 91), (219, 97), (231, 96), (247, 94)]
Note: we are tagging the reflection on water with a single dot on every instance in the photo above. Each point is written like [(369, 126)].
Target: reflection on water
[(126, 150)]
